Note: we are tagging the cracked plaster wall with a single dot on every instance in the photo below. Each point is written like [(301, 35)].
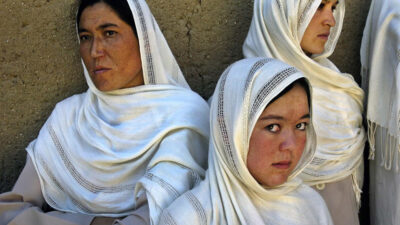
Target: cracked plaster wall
[(40, 64)]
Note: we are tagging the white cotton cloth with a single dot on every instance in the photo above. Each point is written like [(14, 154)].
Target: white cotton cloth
[(104, 153), (380, 59), (276, 31), (384, 189), (230, 194)]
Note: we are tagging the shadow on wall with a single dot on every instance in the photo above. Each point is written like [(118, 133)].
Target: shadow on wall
[(40, 64)]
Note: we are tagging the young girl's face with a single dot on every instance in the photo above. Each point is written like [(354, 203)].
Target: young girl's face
[(278, 138), (318, 30)]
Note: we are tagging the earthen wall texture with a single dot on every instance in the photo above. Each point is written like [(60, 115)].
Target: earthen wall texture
[(40, 63)]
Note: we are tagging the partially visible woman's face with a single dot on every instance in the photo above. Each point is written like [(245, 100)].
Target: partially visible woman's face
[(109, 49), (278, 138), (318, 30)]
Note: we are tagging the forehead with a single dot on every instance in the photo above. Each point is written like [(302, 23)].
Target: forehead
[(292, 104), (335, 2), (97, 14)]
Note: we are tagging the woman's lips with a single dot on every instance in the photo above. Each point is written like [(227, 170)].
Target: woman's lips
[(282, 165), (324, 36), (98, 71)]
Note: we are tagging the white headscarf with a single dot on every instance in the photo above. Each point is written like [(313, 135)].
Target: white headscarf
[(380, 59), (276, 31), (97, 146), (230, 194)]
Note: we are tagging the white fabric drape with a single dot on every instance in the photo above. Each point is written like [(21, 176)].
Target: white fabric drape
[(104, 153), (380, 58), (230, 194), (276, 31)]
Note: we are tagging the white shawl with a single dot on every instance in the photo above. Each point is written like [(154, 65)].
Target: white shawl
[(276, 31), (230, 194), (104, 153), (380, 59)]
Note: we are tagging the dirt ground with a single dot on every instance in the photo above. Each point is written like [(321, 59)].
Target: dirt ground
[(40, 64)]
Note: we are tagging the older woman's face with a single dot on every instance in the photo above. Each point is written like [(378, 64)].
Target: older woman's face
[(109, 49), (278, 138), (318, 30)]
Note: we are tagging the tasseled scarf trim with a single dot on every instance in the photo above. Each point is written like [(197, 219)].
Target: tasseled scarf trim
[(388, 154)]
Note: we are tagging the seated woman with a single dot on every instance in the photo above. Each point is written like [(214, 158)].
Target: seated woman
[(303, 33), (380, 59), (261, 139), (128, 146)]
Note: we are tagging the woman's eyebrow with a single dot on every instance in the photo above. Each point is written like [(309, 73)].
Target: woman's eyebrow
[(327, 1), (80, 30), (271, 117), (276, 117), (101, 27), (106, 25), (306, 116)]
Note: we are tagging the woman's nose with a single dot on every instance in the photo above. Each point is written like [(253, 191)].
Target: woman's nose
[(329, 19), (288, 140), (97, 48)]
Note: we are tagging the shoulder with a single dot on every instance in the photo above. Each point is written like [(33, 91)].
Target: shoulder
[(194, 104), (314, 205), (306, 192), (175, 92), (181, 105), (72, 101), (65, 110), (190, 97)]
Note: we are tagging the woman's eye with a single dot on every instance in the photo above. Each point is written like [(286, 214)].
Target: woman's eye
[(301, 126), (110, 33), (84, 37), (321, 6), (272, 128)]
